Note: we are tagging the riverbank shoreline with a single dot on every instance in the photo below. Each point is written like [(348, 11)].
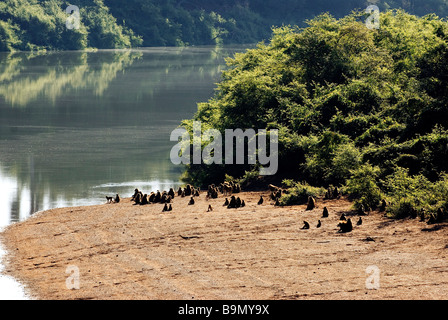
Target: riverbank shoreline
[(123, 251)]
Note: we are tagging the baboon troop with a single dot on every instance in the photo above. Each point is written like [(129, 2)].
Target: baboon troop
[(235, 203), (159, 197), (229, 191), (440, 216), (166, 198), (332, 193), (212, 192)]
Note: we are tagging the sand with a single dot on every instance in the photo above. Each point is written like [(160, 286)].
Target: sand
[(123, 251)]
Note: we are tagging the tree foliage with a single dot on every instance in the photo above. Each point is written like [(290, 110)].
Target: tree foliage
[(352, 105), (40, 24)]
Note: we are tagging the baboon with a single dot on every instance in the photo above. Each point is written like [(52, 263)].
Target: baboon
[(311, 203), (170, 208), (325, 213), (422, 215), (191, 202), (165, 208), (383, 205), (138, 198), (342, 218), (136, 191), (144, 200), (232, 203), (188, 190), (345, 226), (109, 199), (158, 197), (329, 193), (226, 203), (361, 210), (359, 222), (179, 191), (210, 208), (152, 197), (117, 198), (277, 203), (212, 192), (243, 204), (336, 193), (432, 219), (278, 194), (163, 198), (171, 193), (182, 195), (196, 193), (306, 225), (238, 202), (260, 201), (439, 215), (319, 224), (226, 189)]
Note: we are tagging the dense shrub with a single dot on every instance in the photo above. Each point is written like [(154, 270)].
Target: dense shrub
[(353, 106)]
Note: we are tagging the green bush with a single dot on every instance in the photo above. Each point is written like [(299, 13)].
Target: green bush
[(363, 187), (410, 194), (298, 193)]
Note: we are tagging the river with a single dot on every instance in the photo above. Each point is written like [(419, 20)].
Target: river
[(77, 126)]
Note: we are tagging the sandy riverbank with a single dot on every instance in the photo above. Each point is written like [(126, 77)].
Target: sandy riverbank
[(123, 251)]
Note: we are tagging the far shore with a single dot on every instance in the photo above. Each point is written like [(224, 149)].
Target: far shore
[(126, 251)]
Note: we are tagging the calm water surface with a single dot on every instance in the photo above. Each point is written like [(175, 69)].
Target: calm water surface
[(77, 126)]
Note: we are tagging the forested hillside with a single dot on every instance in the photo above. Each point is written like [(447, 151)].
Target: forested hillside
[(40, 24), (364, 110)]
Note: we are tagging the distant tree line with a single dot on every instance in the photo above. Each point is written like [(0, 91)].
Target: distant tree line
[(40, 24)]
